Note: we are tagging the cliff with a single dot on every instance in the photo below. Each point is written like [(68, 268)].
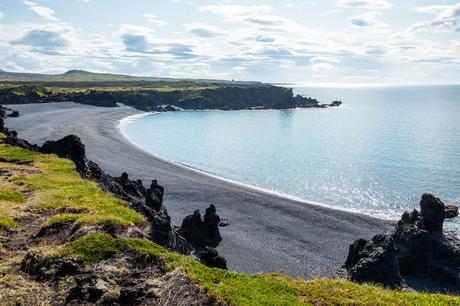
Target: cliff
[(224, 98), (148, 94)]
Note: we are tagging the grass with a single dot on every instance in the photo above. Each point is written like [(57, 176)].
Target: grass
[(15, 154), (242, 289), (11, 196), (56, 185), (7, 223), (7, 210), (49, 89)]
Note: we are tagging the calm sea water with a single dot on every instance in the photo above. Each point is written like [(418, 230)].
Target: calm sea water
[(376, 154)]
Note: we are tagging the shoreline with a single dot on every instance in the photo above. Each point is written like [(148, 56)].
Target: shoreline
[(127, 120), (267, 232)]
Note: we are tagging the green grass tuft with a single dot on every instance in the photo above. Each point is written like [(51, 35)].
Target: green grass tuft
[(7, 223), (15, 154), (11, 196), (95, 247)]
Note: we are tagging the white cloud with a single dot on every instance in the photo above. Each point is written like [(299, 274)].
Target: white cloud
[(204, 30), (368, 20), (245, 42), (325, 59), (41, 11), (447, 18), (1, 15), (153, 20), (230, 9), (323, 67), (365, 4), (231, 13)]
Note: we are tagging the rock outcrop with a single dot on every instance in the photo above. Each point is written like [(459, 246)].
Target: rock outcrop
[(374, 262), (211, 258), (69, 147), (416, 248), (148, 201), (202, 232), (197, 232)]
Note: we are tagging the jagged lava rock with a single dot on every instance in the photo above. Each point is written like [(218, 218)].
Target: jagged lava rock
[(69, 147), (146, 201), (421, 250), (202, 232), (211, 258), (374, 262), (432, 210)]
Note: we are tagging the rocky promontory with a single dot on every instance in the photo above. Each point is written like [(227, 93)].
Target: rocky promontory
[(149, 94), (416, 251), (220, 97)]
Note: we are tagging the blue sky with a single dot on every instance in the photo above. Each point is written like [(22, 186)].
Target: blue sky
[(327, 41)]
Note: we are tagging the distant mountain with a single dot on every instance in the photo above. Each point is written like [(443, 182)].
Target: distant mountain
[(92, 77)]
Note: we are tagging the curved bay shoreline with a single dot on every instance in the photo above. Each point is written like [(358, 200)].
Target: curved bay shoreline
[(267, 232)]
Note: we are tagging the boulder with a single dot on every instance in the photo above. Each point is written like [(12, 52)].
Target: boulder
[(13, 114), (211, 258), (374, 262), (451, 211)]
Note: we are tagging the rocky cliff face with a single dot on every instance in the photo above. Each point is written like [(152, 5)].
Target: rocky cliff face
[(224, 98)]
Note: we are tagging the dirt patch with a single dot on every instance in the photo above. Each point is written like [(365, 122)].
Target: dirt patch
[(23, 237)]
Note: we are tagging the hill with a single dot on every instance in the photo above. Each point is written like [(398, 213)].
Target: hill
[(82, 76)]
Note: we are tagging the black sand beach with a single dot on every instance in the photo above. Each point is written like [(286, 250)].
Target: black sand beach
[(267, 233)]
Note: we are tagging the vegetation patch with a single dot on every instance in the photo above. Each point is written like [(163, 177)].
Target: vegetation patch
[(242, 289), (15, 154), (56, 185), (11, 196), (6, 223)]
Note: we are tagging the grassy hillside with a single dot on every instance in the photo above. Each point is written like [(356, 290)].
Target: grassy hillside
[(81, 76), (39, 192)]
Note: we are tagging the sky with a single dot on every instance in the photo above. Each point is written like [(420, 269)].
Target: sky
[(294, 41)]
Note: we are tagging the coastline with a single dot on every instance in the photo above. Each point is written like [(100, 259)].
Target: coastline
[(267, 232), (126, 120)]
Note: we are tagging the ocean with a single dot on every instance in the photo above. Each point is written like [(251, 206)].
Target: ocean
[(376, 154)]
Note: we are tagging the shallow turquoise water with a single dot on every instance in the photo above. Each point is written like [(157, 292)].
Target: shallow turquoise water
[(376, 154)]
